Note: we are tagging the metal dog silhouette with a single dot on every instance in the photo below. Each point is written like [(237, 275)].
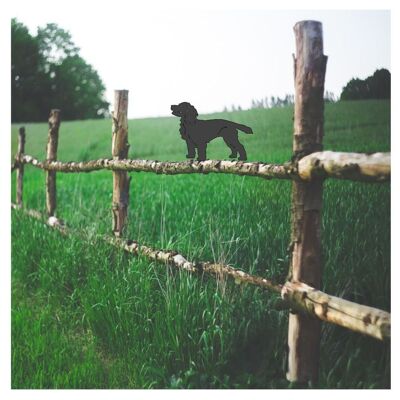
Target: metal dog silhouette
[(197, 133)]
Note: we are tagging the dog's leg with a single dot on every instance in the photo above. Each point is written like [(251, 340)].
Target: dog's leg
[(228, 142), (242, 151), (201, 152), (191, 149)]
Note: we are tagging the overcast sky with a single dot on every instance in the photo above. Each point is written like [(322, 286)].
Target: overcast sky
[(211, 58)]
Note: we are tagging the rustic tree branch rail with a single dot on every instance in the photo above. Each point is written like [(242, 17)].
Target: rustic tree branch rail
[(355, 166), (356, 317), (326, 164), (300, 297)]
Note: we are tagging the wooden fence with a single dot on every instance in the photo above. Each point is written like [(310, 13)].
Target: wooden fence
[(307, 169)]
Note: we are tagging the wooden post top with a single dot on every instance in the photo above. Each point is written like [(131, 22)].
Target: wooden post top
[(310, 66), (120, 145), (54, 118), (21, 140)]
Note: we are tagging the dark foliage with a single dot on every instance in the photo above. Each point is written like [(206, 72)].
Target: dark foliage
[(376, 86), (48, 72)]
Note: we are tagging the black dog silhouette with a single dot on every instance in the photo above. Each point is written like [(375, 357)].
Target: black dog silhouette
[(198, 133)]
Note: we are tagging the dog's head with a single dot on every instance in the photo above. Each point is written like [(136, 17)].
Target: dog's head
[(185, 110)]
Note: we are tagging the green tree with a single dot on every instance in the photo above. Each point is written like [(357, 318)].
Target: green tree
[(25, 60), (48, 72), (379, 84), (74, 79), (376, 86), (55, 44)]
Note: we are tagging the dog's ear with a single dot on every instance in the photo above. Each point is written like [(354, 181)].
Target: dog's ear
[(191, 112)]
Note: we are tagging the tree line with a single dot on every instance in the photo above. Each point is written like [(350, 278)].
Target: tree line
[(376, 86), (276, 101), (48, 72)]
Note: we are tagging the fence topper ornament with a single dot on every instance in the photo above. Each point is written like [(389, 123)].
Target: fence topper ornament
[(198, 133)]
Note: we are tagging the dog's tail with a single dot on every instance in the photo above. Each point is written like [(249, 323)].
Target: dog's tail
[(242, 128)]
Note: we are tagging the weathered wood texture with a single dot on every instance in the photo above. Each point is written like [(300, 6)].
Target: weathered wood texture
[(356, 317), (325, 164), (218, 270), (120, 148), (51, 151), (310, 65), (20, 168), (266, 171), (355, 166), (298, 296)]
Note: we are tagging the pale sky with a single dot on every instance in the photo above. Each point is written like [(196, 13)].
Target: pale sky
[(211, 58)]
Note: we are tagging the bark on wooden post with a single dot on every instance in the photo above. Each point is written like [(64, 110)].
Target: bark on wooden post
[(309, 64), (20, 168), (52, 144), (120, 147)]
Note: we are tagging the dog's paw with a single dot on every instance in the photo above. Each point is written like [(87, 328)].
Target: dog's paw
[(190, 156)]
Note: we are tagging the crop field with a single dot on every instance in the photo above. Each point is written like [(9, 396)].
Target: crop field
[(86, 315)]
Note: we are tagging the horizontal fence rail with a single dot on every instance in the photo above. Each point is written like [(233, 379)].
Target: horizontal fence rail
[(356, 317), (355, 166), (263, 170), (297, 296), (325, 164)]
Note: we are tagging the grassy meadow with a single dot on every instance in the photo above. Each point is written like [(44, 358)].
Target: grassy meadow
[(85, 315)]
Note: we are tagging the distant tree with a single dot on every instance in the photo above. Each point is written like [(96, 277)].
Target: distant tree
[(77, 80), (48, 72), (379, 84), (329, 97), (273, 102), (55, 44), (376, 86), (289, 99), (355, 89), (25, 61)]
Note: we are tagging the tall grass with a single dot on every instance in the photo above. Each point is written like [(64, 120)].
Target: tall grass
[(85, 315)]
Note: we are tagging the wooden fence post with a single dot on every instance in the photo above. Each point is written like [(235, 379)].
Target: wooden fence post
[(309, 65), (20, 168), (120, 147), (52, 144)]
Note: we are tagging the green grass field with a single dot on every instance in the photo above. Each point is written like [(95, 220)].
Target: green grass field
[(85, 315)]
